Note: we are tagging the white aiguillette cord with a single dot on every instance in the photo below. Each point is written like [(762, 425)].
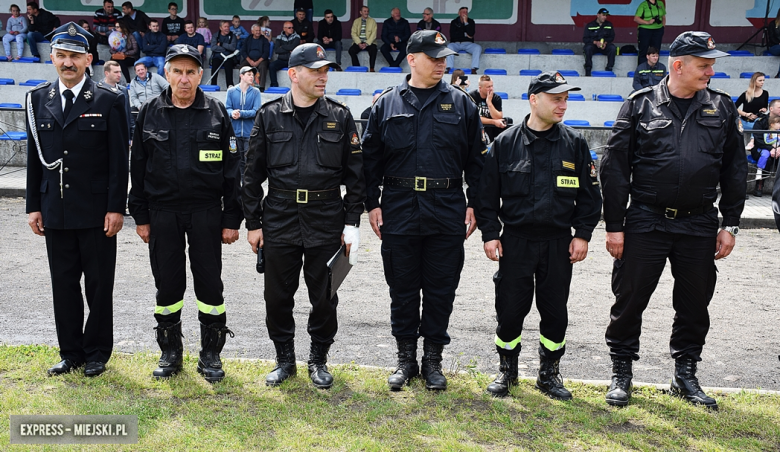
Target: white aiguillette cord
[(34, 131)]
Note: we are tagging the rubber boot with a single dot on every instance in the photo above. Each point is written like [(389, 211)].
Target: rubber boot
[(549, 380), (318, 370), (507, 373), (285, 363), (759, 191), (212, 339), (686, 385), (620, 389), (431, 367), (169, 339), (407, 365)]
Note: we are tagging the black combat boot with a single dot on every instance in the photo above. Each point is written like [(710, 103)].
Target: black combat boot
[(686, 385), (620, 389), (169, 338), (549, 380), (318, 370), (759, 191), (407, 365), (212, 339), (431, 366), (285, 363), (507, 372)]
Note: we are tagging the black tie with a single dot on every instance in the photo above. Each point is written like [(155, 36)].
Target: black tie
[(68, 103)]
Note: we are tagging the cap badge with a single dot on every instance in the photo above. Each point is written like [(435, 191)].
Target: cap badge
[(182, 48), (72, 30), (710, 43), (559, 78), (321, 53), (439, 39)]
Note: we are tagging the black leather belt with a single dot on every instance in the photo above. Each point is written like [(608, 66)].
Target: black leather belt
[(302, 196), (422, 183), (671, 214)]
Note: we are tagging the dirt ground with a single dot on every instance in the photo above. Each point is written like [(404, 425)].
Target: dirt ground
[(741, 351)]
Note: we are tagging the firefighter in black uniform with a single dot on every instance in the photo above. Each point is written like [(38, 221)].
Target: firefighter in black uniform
[(671, 145), (76, 192), (540, 181), (306, 146), (185, 182), (420, 138)]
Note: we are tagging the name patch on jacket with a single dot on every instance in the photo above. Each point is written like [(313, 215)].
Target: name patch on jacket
[(331, 126), (572, 182), (211, 156), (445, 107), (213, 136), (709, 112)]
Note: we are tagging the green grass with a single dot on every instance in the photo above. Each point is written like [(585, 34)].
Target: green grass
[(359, 413)]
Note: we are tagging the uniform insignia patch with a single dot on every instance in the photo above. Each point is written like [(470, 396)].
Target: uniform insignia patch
[(568, 182), (87, 95), (439, 39), (568, 165), (355, 140), (210, 156), (331, 126), (739, 126), (484, 137), (709, 112), (593, 170), (213, 136), (52, 93), (233, 148), (445, 107)]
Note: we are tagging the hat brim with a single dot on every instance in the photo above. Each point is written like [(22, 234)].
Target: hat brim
[(560, 89), (321, 63), (710, 54), (192, 57), (75, 47), (440, 52)]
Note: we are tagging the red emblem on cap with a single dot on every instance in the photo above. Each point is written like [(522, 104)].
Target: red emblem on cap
[(321, 53), (559, 78), (439, 39), (710, 43)]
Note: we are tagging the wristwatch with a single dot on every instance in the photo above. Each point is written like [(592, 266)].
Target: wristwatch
[(733, 230)]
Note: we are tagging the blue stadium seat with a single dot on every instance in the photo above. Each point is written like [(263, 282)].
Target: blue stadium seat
[(356, 69), (593, 155), (32, 82), (14, 136), (746, 74), (378, 91), (609, 98), (568, 73), (48, 62), (735, 98), (602, 74), (277, 90), (495, 72), (524, 96), (25, 61), (8, 105), (530, 72), (209, 88), (721, 75), (2, 58), (750, 159), (28, 59), (609, 123), (576, 97), (562, 52), (630, 74), (7, 81), (740, 53), (528, 51), (663, 53), (502, 95), (576, 122), (390, 70), (771, 98), (494, 51), (349, 92)]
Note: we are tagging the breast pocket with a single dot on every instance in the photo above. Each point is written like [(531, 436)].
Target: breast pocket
[(446, 128), (654, 136), (330, 149), (710, 135), (158, 147), (92, 132), (515, 178), (209, 156), (281, 150), (398, 134)]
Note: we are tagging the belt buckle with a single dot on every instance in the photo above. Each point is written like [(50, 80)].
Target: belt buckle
[(670, 213), (301, 196), (420, 183)]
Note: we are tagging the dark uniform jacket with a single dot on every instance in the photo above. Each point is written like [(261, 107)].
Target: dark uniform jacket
[(92, 143), (441, 139), (645, 75), (548, 186), (596, 32), (185, 166), (322, 154), (664, 160)]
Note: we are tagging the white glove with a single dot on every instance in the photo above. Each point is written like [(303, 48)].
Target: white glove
[(352, 235)]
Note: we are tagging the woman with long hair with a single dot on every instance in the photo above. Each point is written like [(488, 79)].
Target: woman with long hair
[(753, 102), (127, 55)]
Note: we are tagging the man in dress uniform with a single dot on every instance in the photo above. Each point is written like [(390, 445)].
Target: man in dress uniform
[(76, 191), (306, 146), (540, 181), (420, 138), (671, 146), (185, 183)]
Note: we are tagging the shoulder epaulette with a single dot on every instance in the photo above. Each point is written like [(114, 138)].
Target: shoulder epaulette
[(387, 90), (42, 85), (108, 88), (337, 102), (719, 91), (646, 89)]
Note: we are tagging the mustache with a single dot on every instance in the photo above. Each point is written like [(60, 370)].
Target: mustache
[(69, 68)]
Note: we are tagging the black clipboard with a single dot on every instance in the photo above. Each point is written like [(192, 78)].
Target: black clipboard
[(338, 268)]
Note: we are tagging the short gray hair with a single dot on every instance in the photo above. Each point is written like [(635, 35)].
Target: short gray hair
[(168, 67), (428, 10)]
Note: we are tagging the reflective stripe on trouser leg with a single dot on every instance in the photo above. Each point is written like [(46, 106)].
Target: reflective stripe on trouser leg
[(550, 345), (209, 309), (170, 309), (507, 345)]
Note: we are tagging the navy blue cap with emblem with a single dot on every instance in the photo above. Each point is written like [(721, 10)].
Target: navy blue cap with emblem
[(70, 37), (178, 50), (311, 56), (695, 43), (550, 82), (429, 42)]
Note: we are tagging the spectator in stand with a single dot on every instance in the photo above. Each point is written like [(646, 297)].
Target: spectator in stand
[(302, 26), (462, 31), (92, 42), (155, 46), (460, 79), (125, 57), (651, 72), (190, 37), (754, 101), (203, 30), (223, 44), (307, 6), (329, 34), (146, 85), (173, 25), (651, 19), (265, 30), (766, 154), (242, 102), (395, 35), (773, 37), (39, 24), (489, 106), (428, 22), (598, 37), (104, 20), (758, 142), (363, 38), (284, 44), (16, 30), (137, 21), (237, 29), (112, 77), (255, 54)]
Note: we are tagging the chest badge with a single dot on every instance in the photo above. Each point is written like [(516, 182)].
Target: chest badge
[(568, 165), (233, 147), (330, 126), (87, 95), (52, 93), (445, 107)]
